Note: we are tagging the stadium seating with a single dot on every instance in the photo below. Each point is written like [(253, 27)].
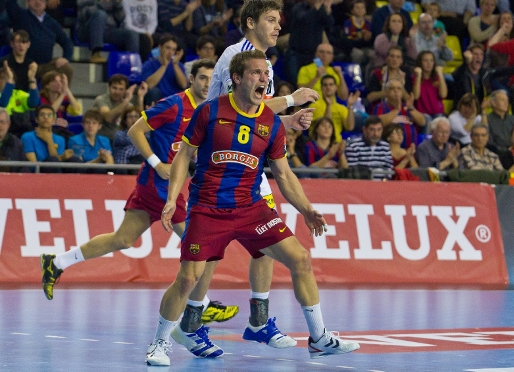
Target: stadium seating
[(453, 43), (126, 63), (448, 105)]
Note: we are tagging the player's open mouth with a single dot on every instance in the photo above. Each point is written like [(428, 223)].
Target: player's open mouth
[(260, 90)]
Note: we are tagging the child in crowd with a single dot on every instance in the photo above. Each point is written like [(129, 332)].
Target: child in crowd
[(434, 9), (357, 35)]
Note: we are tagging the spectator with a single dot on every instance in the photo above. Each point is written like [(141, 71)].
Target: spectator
[(175, 17), (504, 30), (165, 75), (235, 35), (89, 145), (310, 75), (483, 26), (369, 150), (393, 135), (343, 118), (429, 86), (434, 9), (476, 155), (295, 147), (5, 29), (324, 151), (393, 110), (18, 60), (393, 69), (56, 92), (112, 104), (141, 17), (205, 48), (437, 152), (455, 15), (468, 77), (464, 118), (11, 148), (500, 122), (18, 103), (310, 18), (507, 158), (378, 19), (395, 33), (356, 34), (282, 89), (43, 145), (124, 150), (44, 32), (211, 18), (426, 39)]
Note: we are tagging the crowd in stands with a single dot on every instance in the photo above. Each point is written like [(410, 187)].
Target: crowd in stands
[(435, 78)]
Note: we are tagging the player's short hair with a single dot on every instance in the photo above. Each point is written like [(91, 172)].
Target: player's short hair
[(43, 107), (328, 76), (199, 63), (255, 8), (92, 114), (168, 37), (118, 78), (239, 62), (24, 36), (371, 120)]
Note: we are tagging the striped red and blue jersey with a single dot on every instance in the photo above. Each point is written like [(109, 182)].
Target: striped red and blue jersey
[(232, 149), (168, 120), (410, 132), (352, 31), (314, 153)]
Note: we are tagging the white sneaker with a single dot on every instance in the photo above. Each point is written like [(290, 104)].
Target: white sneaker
[(330, 344), (157, 353), (197, 342), (269, 334)]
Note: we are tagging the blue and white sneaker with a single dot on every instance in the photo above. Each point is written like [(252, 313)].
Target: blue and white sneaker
[(269, 334), (330, 344), (157, 353), (197, 342)]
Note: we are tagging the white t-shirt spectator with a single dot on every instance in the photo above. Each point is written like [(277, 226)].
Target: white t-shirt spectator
[(141, 15)]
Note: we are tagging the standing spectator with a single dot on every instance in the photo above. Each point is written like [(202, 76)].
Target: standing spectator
[(395, 33), (393, 135), (211, 18), (500, 122), (468, 114), (11, 148), (455, 15), (369, 150), (205, 48), (44, 32), (176, 18), (56, 92), (429, 86), (485, 25), (310, 19), (507, 158), (356, 34), (310, 75), (165, 75), (141, 17), (468, 77), (380, 15), (426, 39), (112, 104), (124, 151), (103, 21), (437, 152), (476, 155), (18, 60), (342, 117)]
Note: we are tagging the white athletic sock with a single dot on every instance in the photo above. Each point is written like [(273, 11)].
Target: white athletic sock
[(64, 260), (194, 303), (260, 295), (314, 320), (205, 302), (164, 328)]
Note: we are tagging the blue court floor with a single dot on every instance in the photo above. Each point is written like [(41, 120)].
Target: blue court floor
[(399, 330)]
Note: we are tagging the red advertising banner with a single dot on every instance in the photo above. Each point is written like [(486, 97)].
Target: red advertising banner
[(378, 232)]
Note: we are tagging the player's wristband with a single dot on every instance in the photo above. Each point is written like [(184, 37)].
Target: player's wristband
[(290, 100), (153, 160)]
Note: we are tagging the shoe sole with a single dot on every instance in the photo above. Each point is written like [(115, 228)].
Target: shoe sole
[(323, 354), (155, 363), (41, 265), (273, 346)]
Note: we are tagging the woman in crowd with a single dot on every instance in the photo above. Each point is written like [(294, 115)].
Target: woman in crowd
[(483, 26), (393, 134), (124, 150), (462, 120), (56, 93)]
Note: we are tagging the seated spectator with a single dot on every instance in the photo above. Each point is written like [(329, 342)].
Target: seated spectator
[(507, 157), (56, 92), (356, 34), (18, 60), (504, 31), (468, 77), (342, 117), (476, 155), (500, 122), (310, 75), (175, 17), (482, 27), (380, 15), (323, 151), (429, 86), (393, 110), (395, 33), (43, 145), (455, 15), (124, 151), (295, 147), (100, 22), (44, 32), (369, 150), (89, 145), (165, 75), (211, 18), (437, 152), (464, 118), (392, 70), (205, 48), (141, 17), (393, 134), (11, 148), (112, 104), (434, 9), (235, 35), (425, 39), (18, 103), (282, 89)]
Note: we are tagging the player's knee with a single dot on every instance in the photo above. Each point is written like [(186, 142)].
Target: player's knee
[(186, 280), (301, 262), (124, 242)]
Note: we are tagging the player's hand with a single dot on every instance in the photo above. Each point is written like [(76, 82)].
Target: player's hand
[(302, 119), (315, 222), (304, 95), (167, 213), (163, 170)]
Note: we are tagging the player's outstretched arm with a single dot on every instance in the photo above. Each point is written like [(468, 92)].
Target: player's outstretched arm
[(300, 120), (178, 175), (299, 97), (292, 190)]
